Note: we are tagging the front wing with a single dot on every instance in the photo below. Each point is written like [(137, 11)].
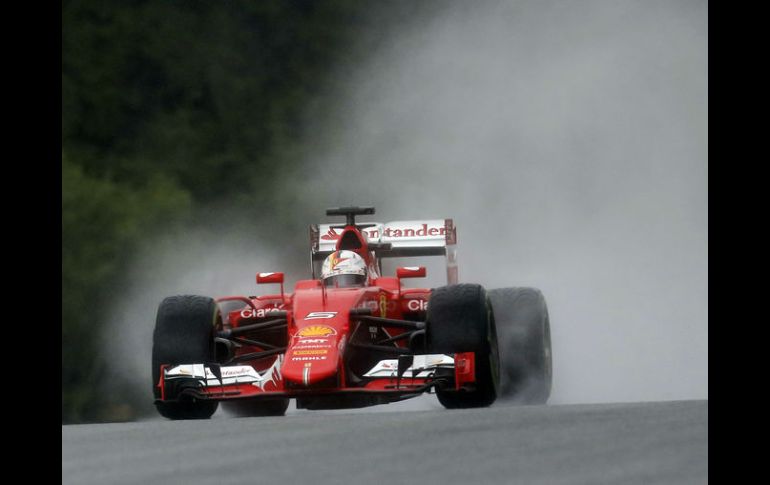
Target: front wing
[(215, 382)]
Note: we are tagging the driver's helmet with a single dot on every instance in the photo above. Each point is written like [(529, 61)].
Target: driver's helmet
[(344, 269)]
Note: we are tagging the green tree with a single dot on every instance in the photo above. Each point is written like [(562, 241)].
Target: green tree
[(172, 109)]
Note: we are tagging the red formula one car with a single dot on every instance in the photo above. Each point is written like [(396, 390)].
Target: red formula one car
[(350, 337)]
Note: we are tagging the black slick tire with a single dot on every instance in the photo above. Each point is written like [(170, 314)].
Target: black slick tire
[(524, 334), (460, 320), (184, 334)]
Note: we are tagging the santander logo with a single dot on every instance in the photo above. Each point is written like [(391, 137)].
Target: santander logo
[(423, 230), (331, 235)]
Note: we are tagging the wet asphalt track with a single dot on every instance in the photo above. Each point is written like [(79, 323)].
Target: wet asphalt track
[(642, 443)]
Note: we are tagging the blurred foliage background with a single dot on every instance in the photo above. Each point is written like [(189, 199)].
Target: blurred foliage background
[(171, 109)]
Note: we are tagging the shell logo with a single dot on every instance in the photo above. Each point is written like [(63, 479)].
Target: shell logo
[(316, 331)]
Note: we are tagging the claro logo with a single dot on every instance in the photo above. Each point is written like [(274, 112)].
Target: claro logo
[(417, 305), (260, 313)]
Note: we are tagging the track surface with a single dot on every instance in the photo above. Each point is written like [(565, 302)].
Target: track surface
[(576, 444)]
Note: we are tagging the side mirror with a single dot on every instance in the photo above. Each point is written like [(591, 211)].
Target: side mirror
[(265, 278), (411, 272)]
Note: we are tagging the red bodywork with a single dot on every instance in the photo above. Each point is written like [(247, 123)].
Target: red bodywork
[(326, 349)]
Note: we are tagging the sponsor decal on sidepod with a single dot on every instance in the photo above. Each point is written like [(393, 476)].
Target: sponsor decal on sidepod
[(417, 305), (260, 313)]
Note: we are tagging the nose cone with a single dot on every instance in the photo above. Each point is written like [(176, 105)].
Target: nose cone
[(312, 356)]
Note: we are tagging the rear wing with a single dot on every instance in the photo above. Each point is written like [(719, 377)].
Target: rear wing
[(397, 239)]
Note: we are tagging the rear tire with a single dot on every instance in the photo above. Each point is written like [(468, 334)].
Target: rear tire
[(524, 329), (184, 334), (460, 320)]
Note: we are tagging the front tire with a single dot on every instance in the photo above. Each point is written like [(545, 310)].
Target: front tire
[(184, 334), (460, 320)]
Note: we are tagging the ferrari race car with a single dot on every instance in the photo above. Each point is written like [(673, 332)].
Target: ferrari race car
[(350, 337)]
